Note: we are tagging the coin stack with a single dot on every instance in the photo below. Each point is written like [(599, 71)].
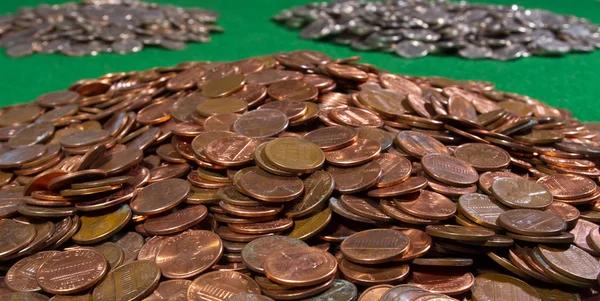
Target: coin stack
[(295, 176), (95, 26), (416, 28)]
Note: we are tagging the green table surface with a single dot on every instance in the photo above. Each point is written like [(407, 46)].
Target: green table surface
[(570, 82)]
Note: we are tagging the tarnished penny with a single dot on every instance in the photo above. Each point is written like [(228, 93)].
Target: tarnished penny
[(255, 252), (317, 189), (330, 138), (355, 117), (261, 123), (14, 236), (221, 285), (116, 286), (307, 227), (271, 188), (189, 254), (481, 209), (384, 102), (97, 227), (426, 204), (358, 153), (486, 179), (520, 193), (448, 169), (19, 156), (499, 286), (532, 222), (295, 155), (419, 144), (299, 266), (118, 162), (71, 271), (375, 246), (160, 196)]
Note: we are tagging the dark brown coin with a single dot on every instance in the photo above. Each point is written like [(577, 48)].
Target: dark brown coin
[(532, 222), (177, 221), (14, 236), (271, 188), (299, 266), (160, 196), (17, 157), (418, 144), (520, 193), (375, 246), (450, 170), (255, 252), (572, 262), (426, 204), (189, 254), (358, 153), (58, 98), (331, 138), (221, 285), (71, 271)]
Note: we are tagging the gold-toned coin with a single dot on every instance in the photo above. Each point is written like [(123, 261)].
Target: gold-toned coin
[(213, 106), (497, 287), (95, 228), (224, 86), (294, 154), (307, 227)]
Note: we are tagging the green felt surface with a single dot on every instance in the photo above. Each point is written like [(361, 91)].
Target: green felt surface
[(570, 82)]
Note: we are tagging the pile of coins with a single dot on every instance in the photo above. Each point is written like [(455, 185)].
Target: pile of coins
[(92, 27), (295, 176), (416, 28)]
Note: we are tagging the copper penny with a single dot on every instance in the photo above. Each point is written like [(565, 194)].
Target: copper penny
[(317, 189), (481, 209), (487, 178), (261, 123), (213, 106), (292, 90), (14, 236), (532, 222), (483, 157), (276, 225), (189, 254), (253, 94), (373, 274), (331, 138), (399, 84), (364, 206), (449, 281), (520, 193), (308, 227), (299, 266), (419, 244), (375, 293), (426, 204), (355, 117), (152, 246), (21, 276), (255, 252), (450, 170), (294, 155), (565, 186), (375, 246), (119, 162), (170, 290), (57, 98), (395, 169), (177, 221), (572, 262), (220, 285), (66, 180), (463, 233), (250, 211), (346, 72), (160, 196), (17, 157), (31, 134), (410, 185), (231, 151), (358, 153), (225, 233), (116, 286), (271, 188), (354, 179), (488, 286), (97, 227), (71, 271), (566, 212), (292, 109), (419, 144)]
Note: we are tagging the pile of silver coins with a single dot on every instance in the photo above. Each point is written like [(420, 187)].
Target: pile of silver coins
[(95, 26), (416, 28)]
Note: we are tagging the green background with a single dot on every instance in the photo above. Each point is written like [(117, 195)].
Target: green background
[(569, 82)]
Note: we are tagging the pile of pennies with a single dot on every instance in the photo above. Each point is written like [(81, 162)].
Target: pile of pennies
[(295, 176), (91, 27), (417, 28)]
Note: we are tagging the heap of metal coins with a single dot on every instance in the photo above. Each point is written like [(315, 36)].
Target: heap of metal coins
[(92, 27), (295, 176), (416, 28)]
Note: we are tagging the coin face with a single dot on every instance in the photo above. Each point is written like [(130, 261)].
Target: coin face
[(489, 285), (419, 144), (481, 209), (449, 169), (62, 273), (189, 254), (96, 228), (231, 151), (177, 221), (114, 286), (358, 153), (568, 186), (354, 179), (363, 206), (532, 222), (300, 266), (21, 276), (426, 204), (295, 155), (483, 157), (14, 236), (521, 193), (160, 196), (171, 290), (366, 246), (572, 262), (261, 123), (255, 252), (228, 283), (271, 188), (449, 282), (331, 138)]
